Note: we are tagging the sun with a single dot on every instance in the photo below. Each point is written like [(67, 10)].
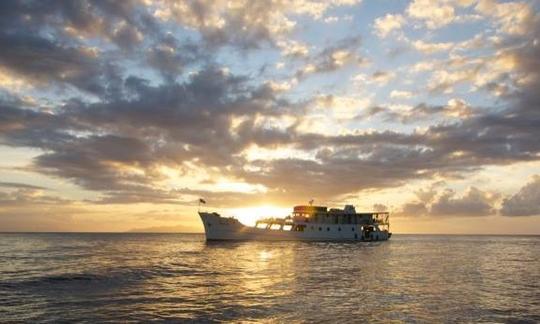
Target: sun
[(250, 215)]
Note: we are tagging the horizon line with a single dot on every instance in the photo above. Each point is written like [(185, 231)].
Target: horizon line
[(130, 232)]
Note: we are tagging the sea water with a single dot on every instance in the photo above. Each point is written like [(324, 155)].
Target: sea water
[(182, 278)]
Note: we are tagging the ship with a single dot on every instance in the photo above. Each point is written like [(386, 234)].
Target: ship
[(306, 223)]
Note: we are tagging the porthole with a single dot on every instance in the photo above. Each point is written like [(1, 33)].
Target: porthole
[(339, 229), (328, 228), (352, 229), (320, 228)]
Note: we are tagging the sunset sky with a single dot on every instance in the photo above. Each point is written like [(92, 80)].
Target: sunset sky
[(119, 115)]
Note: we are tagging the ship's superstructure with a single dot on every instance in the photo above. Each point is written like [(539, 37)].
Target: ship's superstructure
[(315, 223)]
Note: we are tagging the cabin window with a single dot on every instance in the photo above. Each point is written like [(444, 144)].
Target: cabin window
[(275, 227), (328, 228), (209, 224), (287, 227), (320, 228), (352, 228), (339, 229)]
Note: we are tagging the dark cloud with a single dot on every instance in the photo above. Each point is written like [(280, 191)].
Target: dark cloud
[(192, 121), (117, 147), (25, 195), (42, 60), (218, 27), (57, 43), (97, 162), (341, 170), (379, 208), (431, 202), (20, 185), (341, 53), (526, 202), (119, 22), (413, 209), (457, 109), (244, 25), (474, 203), (117, 143), (170, 56)]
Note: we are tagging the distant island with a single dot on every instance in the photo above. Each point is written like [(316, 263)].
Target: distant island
[(167, 229)]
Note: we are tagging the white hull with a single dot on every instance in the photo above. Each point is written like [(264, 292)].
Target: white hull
[(219, 228)]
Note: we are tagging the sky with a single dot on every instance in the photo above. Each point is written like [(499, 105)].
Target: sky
[(119, 115)]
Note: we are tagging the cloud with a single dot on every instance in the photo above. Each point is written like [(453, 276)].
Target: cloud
[(20, 186), (434, 14), (293, 48), (526, 202), (380, 208), (51, 43), (129, 139), (489, 73), (188, 113), (378, 77), (331, 19), (13, 195), (399, 94), (341, 107), (171, 56), (385, 25), (176, 123), (244, 24), (120, 23), (412, 209), (455, 108), (383, 77), (429, 48), (511, 18), (39, 61), (458, 108), (342, 53), (474, 203)]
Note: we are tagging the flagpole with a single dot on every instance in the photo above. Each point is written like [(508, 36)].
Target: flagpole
[(201, 201)]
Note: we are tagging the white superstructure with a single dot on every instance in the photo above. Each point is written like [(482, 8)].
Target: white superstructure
[(308, 223)]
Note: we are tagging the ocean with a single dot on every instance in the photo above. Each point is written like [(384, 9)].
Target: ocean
[(58, 277)]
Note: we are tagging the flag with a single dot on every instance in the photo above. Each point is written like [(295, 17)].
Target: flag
[(202, 201)]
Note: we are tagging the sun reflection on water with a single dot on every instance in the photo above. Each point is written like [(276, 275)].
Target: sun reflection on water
[(180, 278), (265, 255)]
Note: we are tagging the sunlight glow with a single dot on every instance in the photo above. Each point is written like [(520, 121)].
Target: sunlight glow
[(250, 215), (240, 187)]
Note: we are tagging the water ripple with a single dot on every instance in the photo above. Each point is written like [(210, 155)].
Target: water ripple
[(176, 277)]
